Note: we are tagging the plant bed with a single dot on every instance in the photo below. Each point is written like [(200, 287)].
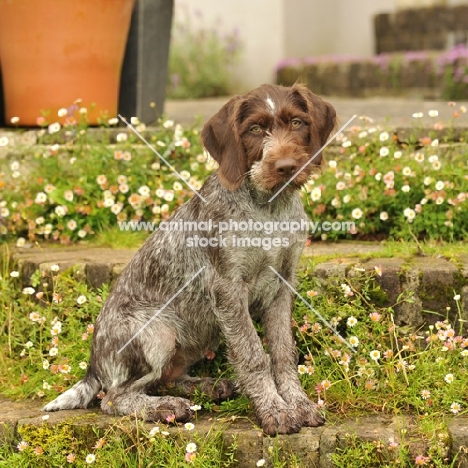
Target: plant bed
[(426, 74), (90, 181), (415, 379)]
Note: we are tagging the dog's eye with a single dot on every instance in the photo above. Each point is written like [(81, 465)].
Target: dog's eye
[(296, 123), (256, 129)]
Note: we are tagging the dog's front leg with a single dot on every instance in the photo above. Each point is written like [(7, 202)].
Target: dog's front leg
[(251, 363), (283, 353)]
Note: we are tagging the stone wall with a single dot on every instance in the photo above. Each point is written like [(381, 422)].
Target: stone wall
[(432, 28)]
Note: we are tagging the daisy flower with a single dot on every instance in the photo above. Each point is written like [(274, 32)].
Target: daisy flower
[(449, 378), (191, 447), (189, 426), (354, 341), (425, 394), (155, 430), (455, 408), (22, 445), (81, 300), (357, 213), (352, 321)]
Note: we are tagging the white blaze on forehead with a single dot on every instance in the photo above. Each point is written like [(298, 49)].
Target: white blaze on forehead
[(270, 103)]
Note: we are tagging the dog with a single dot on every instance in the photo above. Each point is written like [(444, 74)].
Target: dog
[(175, 300)]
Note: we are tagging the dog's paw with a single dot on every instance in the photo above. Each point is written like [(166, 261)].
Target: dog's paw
[(219, 389), (279, 421), (148, 408), (309, 414), (170, 409)]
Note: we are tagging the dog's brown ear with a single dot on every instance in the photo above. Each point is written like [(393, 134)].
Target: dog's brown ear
[(220, 137), (328, 119), (323, 118)]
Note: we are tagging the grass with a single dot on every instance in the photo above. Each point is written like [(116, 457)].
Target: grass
[(127, 442), (387, 369), (391, 249), (117, 239)]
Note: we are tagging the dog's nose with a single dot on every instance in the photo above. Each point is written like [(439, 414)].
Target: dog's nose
[(286, 167)]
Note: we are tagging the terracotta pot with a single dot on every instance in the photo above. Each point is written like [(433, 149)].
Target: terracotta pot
[(55, 52)]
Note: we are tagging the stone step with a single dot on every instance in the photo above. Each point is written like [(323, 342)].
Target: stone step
[(432, 280), (313, 447)]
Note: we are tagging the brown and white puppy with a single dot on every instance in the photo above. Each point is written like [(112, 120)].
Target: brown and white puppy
[(176, 299)]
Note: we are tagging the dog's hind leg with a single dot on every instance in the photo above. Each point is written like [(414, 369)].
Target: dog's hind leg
[(79, 396), (153, 357), (217, 389), (131, 399)]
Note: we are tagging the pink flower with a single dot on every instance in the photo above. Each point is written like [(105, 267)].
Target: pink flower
[(170, 418), (375, 316), (210, 355), (99, 443), (38, 450), (421, 460), (392, 445), (190, 457)]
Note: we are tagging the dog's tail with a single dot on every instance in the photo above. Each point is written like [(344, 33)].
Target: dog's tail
[(79, 396)]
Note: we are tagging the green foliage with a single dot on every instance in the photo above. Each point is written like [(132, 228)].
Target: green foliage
[(455, 84), (375, 188), (201, 60), (389, 453), (49, 328), (390, 189), (70, 192), (126, 443), (379, 366)]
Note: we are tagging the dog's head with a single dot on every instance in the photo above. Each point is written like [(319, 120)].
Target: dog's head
[(269, 135)]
